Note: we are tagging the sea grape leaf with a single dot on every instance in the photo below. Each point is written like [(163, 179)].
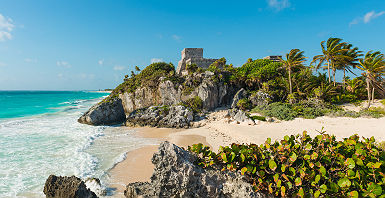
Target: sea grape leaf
[(344, 182), (272, 164)]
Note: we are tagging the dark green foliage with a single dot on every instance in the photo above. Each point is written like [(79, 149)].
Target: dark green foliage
[(261, 118), (282, 111), (195, 104), (148, 77), (244, 104), (192, 68), (301, 166), (259, 71)]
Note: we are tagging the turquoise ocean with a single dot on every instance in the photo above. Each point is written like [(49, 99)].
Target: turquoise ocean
[(40, 135)]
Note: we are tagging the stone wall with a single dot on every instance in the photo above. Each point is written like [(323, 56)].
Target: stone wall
[(193, 56)]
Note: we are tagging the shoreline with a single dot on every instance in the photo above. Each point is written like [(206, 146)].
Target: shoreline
[(221, 133)]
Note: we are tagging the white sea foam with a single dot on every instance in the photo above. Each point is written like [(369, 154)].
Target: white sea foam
[(32, 148)]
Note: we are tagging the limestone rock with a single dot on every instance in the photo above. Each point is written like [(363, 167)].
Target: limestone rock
[(104, 113), (242, 93), (260, 98), (176, 175), (240, 116), (161, 116), (66, 187)]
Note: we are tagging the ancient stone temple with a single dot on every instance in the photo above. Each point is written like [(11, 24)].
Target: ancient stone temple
[(273, 58), (193, 56)]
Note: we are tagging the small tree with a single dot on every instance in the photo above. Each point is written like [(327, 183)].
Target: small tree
[(294, 58)]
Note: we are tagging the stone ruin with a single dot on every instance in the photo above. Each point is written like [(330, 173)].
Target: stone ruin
[(193, 56), (273, 58)]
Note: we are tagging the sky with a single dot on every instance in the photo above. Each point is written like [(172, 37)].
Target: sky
[(92, 44)]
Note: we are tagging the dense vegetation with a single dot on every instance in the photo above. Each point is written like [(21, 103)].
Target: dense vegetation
[(289, 82), (301, 166)]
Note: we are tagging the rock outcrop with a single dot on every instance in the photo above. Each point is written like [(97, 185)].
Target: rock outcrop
[(66, 187), (161, 116), (176, 175), (239, 116), (106, 112), (260, 98), (212, 93), (242, 93)]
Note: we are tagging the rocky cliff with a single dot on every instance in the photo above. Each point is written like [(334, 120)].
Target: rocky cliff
[(176, 175), (165, 90)]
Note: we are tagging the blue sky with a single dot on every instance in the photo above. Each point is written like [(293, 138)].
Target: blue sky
[(92, 44)]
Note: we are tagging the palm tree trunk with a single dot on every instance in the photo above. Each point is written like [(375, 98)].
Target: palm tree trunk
[(343, 85), (290, 86), (334, 77), (368, 88), (330, 80), (373, 93)]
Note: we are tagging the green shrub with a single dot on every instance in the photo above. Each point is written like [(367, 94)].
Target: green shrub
[(301, 166), (261, 118), (375, 112), (195, 104), (279, 110), (244, 104)]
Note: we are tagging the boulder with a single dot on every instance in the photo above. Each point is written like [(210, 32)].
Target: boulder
[(240, 116), (242, 93), (260, 98), (161, 116), (177, 175), (106, 112), (66, 187)]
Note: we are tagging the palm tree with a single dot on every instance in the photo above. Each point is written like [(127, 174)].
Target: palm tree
[(373, 65), (332, 53), (352, 56), (294, 58)]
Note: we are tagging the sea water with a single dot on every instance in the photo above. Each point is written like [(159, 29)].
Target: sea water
[(40, 135)]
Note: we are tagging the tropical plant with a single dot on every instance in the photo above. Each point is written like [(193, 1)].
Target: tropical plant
[(332, 53), (324, 91), (373, 67), (294, 58), (352, 56), (302, 166)]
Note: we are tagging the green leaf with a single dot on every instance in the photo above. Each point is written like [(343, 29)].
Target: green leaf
[(301, 192), (298, 181), (243, 170), (344, 182), (268, 141), (232, 156), (353, 194), (276, 177), (323, 188), (308, 147), (224, 157), (322, 170), (377, 165), (317, 194), (375, 188), (243, 157), (359, 162), (283, 191), (293, 157), (317, 178), (272, 164), (283, 168), (350, 163)]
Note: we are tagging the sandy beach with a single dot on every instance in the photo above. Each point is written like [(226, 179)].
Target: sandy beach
[(218, 132)]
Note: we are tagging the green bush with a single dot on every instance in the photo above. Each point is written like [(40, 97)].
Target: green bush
[(301, 166), (195, 104), (244, 104), (278, 110), (261, 118)]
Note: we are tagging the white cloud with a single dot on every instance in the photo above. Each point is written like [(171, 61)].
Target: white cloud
[(177, 38), (30, 60), (119, 68), (86, 76), (2, 64), (278, 4), (60, 75), (156, 60), (6, 27), (101, 62), (63, 64), (367, 17)]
